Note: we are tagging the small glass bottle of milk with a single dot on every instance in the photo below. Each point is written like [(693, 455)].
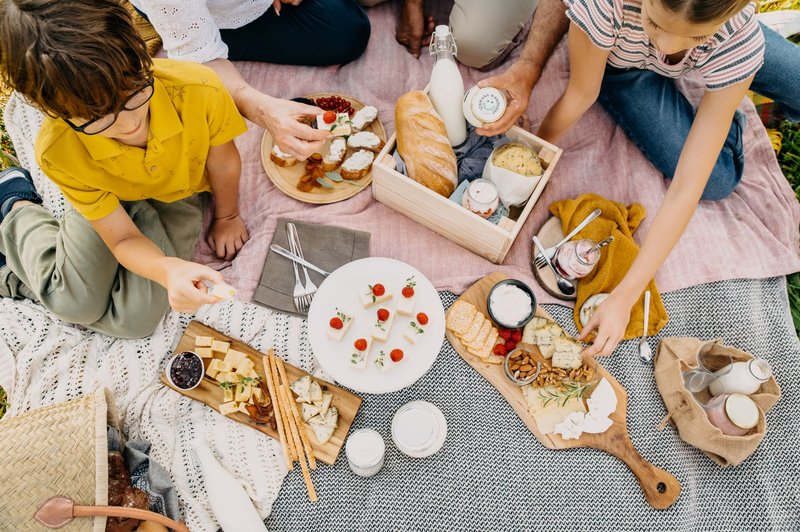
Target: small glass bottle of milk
[(446, 89), (741, 377)]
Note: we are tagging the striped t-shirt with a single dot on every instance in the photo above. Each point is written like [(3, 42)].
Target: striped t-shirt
[(729, 56)]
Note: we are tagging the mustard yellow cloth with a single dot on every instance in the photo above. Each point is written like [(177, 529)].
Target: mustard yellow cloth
[(190, 111), (615, 259)]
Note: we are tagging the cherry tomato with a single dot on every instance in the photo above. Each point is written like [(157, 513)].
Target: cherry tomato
[(336, 323), (422, 318), (360, 344), (383, 314), (396, 355)]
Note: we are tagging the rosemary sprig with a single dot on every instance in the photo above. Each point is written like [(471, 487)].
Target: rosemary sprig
[(561, 395)]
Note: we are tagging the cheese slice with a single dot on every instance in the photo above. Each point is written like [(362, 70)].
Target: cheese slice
[(358, 359), (233, 357), (227, 409), (474, 328), (204, 352), (368, 298), (413, 332), (381, 329), (405, 305), (301, 388), (203, 341), (228, 394), (529, 332), (325, 403), (220, 347), (554, 413), (315, 391), (535, 396), (545, 338), (384, 362), (226, 366), (245, 366), (338, 128), (322, 433), (213, 368), (243, 392), (222, 291), (338, 334)]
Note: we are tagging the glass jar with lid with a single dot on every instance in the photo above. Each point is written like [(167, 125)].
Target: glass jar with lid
[(481, 198), (577, 258)]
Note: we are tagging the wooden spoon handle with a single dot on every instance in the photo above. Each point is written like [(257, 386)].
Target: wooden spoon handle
[(660, 487)]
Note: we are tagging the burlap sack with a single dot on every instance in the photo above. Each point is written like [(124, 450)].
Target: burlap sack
[(676, 355)]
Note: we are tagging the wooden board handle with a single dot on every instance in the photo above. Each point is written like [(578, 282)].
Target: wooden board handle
[(660, 487)]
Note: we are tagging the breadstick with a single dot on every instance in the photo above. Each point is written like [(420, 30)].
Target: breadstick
[(312, 493), (301, 427), (285, 415), (276, 410)]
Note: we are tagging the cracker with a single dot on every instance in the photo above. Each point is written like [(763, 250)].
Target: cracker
[(479, 340), (488, 344), (460, 316), (474, 328)]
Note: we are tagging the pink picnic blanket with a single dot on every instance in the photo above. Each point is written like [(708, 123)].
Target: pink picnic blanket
[(752, 234)]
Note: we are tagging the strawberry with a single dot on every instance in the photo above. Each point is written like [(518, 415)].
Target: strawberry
[(360, 344), (396, 355), (510, 346), (408, 292), (516, 336), (383, 314), (336, 323), (422, 318), (499, 350), (378, 290), (329, 117), (505, 334)]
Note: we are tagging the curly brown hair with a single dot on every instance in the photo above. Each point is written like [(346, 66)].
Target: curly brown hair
[(72, 58), (705, 11)]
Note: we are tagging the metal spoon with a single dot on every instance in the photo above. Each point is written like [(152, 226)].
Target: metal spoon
[(645, 353), (564, 286), (601, 245)]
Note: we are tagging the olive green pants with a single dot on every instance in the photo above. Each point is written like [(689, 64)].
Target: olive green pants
[(483, 30), (67, 267)]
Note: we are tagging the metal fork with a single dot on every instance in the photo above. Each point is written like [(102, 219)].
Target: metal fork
[(297, 295), (540, 262), (310, 287)]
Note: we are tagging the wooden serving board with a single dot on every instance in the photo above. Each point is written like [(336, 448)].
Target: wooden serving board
[(209, 392), (286, 179), (661, 489)]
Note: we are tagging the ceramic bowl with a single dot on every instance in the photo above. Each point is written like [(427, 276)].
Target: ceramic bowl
[(522, 286), (188, 360), (512, 378)]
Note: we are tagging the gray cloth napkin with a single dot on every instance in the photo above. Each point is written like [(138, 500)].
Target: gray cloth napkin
[(325, 246)]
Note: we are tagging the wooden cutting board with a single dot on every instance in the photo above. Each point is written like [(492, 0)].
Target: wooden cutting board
[(209, 392), (661, 488)]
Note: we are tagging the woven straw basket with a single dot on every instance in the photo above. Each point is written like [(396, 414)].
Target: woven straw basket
[(55, 454)]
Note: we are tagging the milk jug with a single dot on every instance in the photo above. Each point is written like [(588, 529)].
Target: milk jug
[(446, 88)]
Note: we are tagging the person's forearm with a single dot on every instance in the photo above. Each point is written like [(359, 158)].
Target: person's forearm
[(244, 95), (143, 257), (549, 25), (566, 111)]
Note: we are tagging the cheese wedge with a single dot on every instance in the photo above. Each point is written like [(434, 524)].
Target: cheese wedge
[(358, 359), (309, 411), (325, 404), (460, 316), (301, 388), (204, 352), (315, 391), (381, 329), (413, 332), (220, 347), (567, 353), (203, 341), (474, 328), (243, 408), (368, 298), (338, 334), (545, 338), (554, 413), (322, 433), (529, 332)]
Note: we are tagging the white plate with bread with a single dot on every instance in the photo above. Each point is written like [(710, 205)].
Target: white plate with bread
[(376, 325), (357, 138)]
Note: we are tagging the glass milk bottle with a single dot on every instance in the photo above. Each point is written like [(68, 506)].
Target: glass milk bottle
[(446, 88)]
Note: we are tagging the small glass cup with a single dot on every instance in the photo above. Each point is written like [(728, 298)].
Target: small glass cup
[(698, 379), (577, 258), (481, 198)]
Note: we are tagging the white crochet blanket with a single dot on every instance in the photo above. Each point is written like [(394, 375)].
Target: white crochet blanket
[(44, 361)]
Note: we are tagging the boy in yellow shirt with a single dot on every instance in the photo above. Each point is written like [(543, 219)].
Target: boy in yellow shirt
[(131, 142)]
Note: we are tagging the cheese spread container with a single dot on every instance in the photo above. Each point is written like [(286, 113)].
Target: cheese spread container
[(365, 452), (419, 429), (484, 105), (515, 170)]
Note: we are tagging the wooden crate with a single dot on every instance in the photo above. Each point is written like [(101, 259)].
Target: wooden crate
[(449, 219)]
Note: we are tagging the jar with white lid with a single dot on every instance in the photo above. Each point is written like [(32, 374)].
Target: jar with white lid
[(734, 414), (741, 377), (481, 197), (419, 429), (365, 451), (484, 105)]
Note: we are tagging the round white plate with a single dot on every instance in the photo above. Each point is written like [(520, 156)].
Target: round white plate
[(341, 290)]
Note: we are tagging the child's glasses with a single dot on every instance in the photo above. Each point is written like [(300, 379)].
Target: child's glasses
[(98, 125)]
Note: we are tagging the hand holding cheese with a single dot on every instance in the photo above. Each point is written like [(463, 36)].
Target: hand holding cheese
[(423, 144), (184, 283)]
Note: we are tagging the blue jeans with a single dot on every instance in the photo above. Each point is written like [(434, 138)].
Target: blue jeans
[(657, 117)]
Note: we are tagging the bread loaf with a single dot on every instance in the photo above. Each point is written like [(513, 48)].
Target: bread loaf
[(422, 143)]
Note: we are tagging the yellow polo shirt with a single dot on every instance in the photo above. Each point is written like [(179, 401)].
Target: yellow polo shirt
[(190, 111)]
